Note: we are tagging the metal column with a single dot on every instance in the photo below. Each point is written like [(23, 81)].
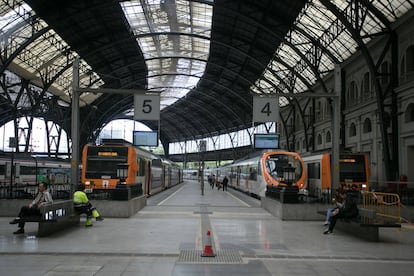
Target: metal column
[(75, 126), (336, 124)]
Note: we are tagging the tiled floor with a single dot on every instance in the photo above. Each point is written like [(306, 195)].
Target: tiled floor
[(168, 236)]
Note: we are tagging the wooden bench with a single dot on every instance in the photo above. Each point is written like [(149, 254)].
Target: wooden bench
[(366, 225), (55, 217)]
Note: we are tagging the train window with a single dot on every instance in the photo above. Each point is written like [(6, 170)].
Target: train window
[(25, 170), (141, 167), (314, 170), (253, 174), (95, 168), (259, 169), (157, 163), (353, 168)]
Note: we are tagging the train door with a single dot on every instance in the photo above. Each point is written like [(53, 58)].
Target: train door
[(148, 176), (238, 172), (164, 179)]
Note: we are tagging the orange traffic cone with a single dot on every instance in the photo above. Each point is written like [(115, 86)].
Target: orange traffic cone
[(208, 248)]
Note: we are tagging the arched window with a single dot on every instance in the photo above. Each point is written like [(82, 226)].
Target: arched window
[(410, 59), (352, 93), (328, 137), (385, 78), (402, 67), (319, 139), (297, 145), (409, 113), (367, 126), (352, 130), (366, 87)]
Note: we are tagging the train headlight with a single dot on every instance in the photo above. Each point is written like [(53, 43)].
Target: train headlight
[(87, 183), (364, 186)]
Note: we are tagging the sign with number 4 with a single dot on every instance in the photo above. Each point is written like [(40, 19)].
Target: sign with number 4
[(265, 109)]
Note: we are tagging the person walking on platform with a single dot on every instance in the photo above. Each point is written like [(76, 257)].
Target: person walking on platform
[(224, 182), (349, 210), (43, 197), (83, 206), (210, 180)]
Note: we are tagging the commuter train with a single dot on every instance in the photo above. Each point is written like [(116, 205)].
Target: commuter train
[(253, 175), (353, 171), (23, 169), (20, 175), (103, 166)]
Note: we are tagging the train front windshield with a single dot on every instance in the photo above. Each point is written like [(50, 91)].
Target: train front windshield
[(276, 164), (352, 168), (103, 161)]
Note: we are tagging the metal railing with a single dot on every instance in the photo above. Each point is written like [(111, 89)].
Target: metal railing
[(385, 205)]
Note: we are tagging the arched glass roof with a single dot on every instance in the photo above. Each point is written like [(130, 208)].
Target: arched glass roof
[(206, 57), (318, 26), (46, 54), (174, 38)]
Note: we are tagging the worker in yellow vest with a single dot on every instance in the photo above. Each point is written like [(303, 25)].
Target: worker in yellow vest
[(83, 206)]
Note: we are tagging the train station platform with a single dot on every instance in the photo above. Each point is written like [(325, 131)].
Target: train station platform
[(168, 236)]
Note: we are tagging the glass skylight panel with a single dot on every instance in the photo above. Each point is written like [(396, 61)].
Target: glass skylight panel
[(319, 22), (168, 39), (9, 18), (45, 53), (326, 65), (393, 9), (288, 55)]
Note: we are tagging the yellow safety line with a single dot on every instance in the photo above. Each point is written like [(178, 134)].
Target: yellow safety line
[(408, 226)]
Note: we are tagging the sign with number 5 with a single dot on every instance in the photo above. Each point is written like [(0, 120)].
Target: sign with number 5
[(147, 107), (265, 109)]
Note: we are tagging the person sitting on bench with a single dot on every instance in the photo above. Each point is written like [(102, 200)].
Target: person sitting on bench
[(337, 201), (349, 210), (82, 205), (43, 197)]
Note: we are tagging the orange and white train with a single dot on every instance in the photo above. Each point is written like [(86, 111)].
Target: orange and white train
[(253, 175), (353, 172), (100, 165)]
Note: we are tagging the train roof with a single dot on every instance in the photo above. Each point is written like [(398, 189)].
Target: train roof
[(111, 141), (31, 157), (139, 150)]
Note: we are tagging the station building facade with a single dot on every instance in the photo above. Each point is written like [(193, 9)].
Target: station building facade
[(360, 122)]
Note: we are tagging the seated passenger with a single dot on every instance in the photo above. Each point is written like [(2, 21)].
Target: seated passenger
[(43, 197), (349, 210), (82, 205), (337, 201)]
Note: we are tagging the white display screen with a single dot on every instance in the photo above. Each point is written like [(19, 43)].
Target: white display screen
[(266, 141), (145, 138)]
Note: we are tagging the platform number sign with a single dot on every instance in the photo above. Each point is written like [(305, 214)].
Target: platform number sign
[(147, 107), (265, 109)]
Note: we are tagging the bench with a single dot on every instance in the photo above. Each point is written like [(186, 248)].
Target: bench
[(55, 217), (366, 225)]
